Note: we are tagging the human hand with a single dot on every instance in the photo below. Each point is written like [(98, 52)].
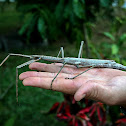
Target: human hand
[(100, 84)]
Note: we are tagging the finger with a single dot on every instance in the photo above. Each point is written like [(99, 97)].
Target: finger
[(59, 84), (43, 74), (51, 68)]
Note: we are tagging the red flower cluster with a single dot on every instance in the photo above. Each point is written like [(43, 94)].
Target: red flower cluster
[(75, 115)]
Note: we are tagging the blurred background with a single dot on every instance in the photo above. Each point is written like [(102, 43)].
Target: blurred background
[(42, 27)]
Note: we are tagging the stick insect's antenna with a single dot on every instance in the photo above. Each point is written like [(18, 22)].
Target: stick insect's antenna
[(12, 54), (81, 49)]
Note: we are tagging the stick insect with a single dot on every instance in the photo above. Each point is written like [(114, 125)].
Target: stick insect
[(79, 62)]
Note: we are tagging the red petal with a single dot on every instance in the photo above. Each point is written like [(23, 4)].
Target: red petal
[(60, 116), (60, 107), (89, 124), (83, 116), (101, 114), (93, 109), (85, 110), (54, 107), (121, 120)]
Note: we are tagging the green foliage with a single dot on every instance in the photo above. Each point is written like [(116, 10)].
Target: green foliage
[(109, 35), (117, 39), (57, 19), (10, 122)]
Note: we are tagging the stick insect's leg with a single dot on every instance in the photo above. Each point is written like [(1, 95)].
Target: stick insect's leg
[(61, 51), (81, 50), (57, 75), (20, 66), (80, 73)]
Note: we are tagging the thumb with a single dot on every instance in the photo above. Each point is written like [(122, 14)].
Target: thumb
[(93, 89)]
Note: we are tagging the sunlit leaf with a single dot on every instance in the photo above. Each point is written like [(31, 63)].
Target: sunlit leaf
[(115, 49), (109, 35)]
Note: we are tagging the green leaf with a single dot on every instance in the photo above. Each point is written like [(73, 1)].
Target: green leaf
[(109, 35), (10, 122), (115, 49), (121, 2), (25, 25), (105, 3), (42, 27), (122, 39), (78, 9), (59, 9)]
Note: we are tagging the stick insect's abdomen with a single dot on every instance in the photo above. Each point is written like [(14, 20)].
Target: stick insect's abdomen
[(112, 65), (119, 66)]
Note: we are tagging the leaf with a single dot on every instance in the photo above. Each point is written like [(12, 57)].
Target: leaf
[(121, 2), (42, 27), (105, 3), (109, 35), (122, 39), (78, 9), (10, 122), (59, 9), (25, 25), (114, 49)]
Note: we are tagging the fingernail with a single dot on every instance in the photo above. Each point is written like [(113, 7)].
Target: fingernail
[(83, 96), (79, 97)]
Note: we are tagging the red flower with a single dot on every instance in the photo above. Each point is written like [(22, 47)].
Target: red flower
[(74, 114), (99, 109), (121, 121)]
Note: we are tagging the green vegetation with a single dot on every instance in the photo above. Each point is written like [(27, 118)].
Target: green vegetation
[(10, 19)]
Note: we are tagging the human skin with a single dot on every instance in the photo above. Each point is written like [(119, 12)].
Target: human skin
[(99, 84)]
